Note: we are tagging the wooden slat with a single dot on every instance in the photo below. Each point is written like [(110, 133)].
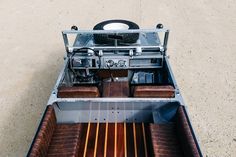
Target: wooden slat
[(84, 127), (101, 140), (125, 140), (130, 140), (110, 140), (135, 142), (139, 140), (91, 140), (115, 141), (144, 140), (105, 145), (86, 140), (120, 140), (96, 141)]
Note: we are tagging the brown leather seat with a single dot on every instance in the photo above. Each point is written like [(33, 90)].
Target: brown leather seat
[(78, 92), (65, 141), (165, 141), (44, 136), (174, 139), (154, 91), (55, 139), (184, 133)]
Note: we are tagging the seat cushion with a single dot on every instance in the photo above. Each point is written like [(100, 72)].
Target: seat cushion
[(78, 92), (65, 141), (154, 91), (165, 141), (55, 139)]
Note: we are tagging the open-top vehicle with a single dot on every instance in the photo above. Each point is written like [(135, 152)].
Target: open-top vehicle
[(115, 96)]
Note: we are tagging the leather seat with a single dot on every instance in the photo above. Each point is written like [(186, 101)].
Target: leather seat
[(154, 91), (185, 134), (174, 139), (55, 139), (65, 141), (43, 137), (78, 92)]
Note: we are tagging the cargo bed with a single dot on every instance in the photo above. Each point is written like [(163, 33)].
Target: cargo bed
[(163, 138)]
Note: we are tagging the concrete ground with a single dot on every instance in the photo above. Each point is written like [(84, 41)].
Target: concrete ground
[(202, 47)]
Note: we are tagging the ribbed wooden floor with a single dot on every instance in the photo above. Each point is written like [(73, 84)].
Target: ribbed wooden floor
[(126, 140), (113, 139)]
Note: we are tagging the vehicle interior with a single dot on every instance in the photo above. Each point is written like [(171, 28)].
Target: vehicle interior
[(155, 82)]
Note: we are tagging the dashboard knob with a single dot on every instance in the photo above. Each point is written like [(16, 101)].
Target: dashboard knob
[(121, 63), (110, 63)]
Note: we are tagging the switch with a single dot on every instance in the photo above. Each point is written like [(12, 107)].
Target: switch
[(121, 63), (110, 63)]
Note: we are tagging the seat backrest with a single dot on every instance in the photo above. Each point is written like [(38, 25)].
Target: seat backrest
[(154, 91), (43, 137), (185, 135), (78, 92)]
